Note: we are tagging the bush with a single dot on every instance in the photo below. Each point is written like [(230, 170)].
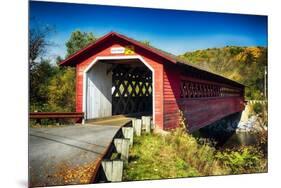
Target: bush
[(179, 154), (61, 91), (257, 108), (243, 160)]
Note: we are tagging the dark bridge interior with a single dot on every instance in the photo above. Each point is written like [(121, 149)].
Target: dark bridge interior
[(131, 88)]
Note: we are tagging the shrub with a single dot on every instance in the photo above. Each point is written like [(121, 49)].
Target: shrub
[(243, 160), (257, 108), (179, 154)]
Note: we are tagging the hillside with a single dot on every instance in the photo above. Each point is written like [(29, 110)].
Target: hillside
[(243, 64)]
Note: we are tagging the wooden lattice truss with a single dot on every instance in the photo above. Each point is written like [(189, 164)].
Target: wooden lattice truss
[(190, 89), (132, 89)]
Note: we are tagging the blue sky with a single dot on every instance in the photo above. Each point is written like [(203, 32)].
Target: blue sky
[(170, 30)]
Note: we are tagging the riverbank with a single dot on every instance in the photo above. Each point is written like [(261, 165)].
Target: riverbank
[(252, 124), (234, 145), (179, 154), (253, 118)]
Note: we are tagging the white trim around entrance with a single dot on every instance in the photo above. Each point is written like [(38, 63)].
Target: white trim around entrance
[(97, 59)]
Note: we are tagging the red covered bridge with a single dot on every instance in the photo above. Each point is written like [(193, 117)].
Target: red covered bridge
[(119, 75)]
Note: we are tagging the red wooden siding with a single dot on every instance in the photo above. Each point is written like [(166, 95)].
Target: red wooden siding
[(202, 96), (149, 58), (204, 111), (171, 95), (199, 111)]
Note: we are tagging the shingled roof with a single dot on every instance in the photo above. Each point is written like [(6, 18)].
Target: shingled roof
[(70, 61)]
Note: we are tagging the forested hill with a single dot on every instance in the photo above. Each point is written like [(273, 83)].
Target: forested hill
[(243, 64)]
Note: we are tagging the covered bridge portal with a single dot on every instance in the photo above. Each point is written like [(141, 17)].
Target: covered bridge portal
[(119, 75)]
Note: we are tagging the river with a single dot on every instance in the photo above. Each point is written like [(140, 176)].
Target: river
[(240, 139), (224, 141)]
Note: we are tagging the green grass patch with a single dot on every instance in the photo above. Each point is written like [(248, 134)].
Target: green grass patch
[(180, 155)]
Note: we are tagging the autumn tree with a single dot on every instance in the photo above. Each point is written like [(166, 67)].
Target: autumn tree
[(61, 88), (61, 91), (52, 88), (243, 64), (40, 76), (40, 69)]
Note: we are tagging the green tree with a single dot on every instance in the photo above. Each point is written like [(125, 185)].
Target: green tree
[(52, 88), (243, 64), (78, 40), (40, 69), (58, 59), (61, 88), (40, 76), (61, 91)]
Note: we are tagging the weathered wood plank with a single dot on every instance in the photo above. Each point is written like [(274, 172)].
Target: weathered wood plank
[(128, 133), (137, 126), (122, 147), (146, 123), (113, 170)]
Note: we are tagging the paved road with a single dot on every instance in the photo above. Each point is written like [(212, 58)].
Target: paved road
[(54, 151)]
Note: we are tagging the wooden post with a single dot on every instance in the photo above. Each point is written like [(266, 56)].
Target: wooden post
[(152, 124), (122, 147), (128, 132), (137, 126), (143, 119), (113, 170), (146, 123)]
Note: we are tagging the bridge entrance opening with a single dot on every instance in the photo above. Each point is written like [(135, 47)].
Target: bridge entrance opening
[(118, 87)]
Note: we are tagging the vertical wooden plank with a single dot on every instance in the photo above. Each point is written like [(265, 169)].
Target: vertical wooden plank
[(128, 132), (152, 124), (137, 126), (146, 123), (99, 99), (118, 144), (113, 170), (122, 147), (107, 168), (117, 171), (125, 149), (143, 123)]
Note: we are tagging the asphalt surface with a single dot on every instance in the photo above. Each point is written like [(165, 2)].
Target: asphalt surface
[(53, 149)]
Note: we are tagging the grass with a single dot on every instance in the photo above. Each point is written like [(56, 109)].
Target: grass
[(179, 154), (148, 160)]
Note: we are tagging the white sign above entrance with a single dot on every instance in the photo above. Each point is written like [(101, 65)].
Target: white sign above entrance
[(117, 50)]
